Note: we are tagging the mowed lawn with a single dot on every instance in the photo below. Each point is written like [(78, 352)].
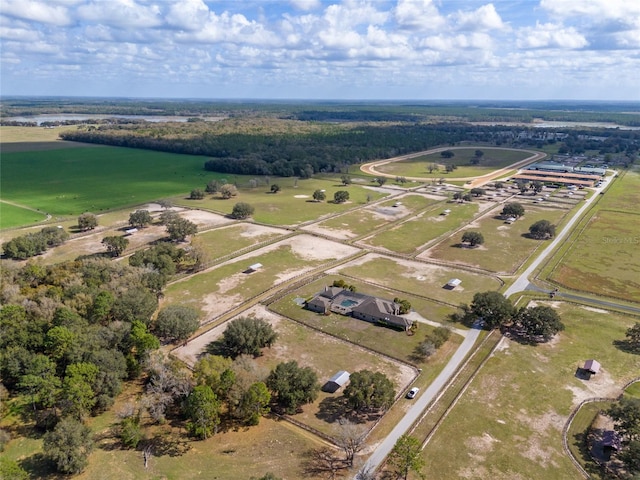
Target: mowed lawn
[(421, 279), (605, 258), (505, 248), (14, 216), (409, 236), (508, 425), (292, 205), (75, 180), (365, 220), (394, 343), (492, 159)]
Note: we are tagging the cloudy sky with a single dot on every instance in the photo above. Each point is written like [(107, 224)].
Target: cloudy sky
[(322, 49)]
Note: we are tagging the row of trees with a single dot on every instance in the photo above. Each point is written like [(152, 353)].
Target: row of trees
[(530, 324), (32, 244)]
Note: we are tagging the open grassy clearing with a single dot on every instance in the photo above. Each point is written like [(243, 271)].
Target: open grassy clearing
[(604, 259), (409, 236), (227, 240), (22, 139), (391, 342), (14, 216), (505, 246), (294, 204), (418, 167), (365, 220), (419, 278), (225, 286), (624, 193), (75, 180), (510, 419)]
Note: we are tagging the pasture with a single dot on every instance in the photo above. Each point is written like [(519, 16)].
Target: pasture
[(225, 286), (506, 247), (292, 205), (510, 419), (604, 259), (365, 220), (418, 167), (424, 280), (70, 181), (408, 237), (227, 240)]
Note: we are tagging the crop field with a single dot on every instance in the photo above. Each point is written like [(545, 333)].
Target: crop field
[(364, 220), (14, 216), (419, 278), (493, 159), (19, 139), (513, 413), (605, 258), (72, 181), (292, 205), (391, 342), (409, 236), (505, 246)]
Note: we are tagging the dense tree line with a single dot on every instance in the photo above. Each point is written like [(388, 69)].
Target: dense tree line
[(32, 244)]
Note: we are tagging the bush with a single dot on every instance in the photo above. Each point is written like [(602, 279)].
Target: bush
[(242, 210)]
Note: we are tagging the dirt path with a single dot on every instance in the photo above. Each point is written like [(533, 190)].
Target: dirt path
[(48, 217), (370, 167)]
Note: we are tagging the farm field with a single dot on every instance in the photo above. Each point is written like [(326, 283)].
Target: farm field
[(365, 220), (604, 259), (517, 432), (292, 205), (227, 240), (15, 216), (410, 236), (385, 340), (225, 286), (18, 139), (75, 180), (418, 278), (493, 159), (499, 238)]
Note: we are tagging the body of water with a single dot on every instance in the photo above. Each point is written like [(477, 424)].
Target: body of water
[(39, 119)]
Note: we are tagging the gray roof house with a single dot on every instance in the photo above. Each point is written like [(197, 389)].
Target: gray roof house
[(592, 366)]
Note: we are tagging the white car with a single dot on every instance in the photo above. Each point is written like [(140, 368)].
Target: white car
[(413, 392)]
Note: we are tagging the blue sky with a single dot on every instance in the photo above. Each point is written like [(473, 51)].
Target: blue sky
[(322, 49)]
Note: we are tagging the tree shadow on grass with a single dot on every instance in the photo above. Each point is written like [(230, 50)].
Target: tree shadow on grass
[(332, 409), (216, 348), (38, 466), (626, 346), (162, 445)]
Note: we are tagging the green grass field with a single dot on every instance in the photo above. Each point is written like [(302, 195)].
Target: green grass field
[(72, 181), (13, 216), (292, 205), (509, 422), (605, 258), (227, 240), (505, 246), (409, 236), (493, 159)]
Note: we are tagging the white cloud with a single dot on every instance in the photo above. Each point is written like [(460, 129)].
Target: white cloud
[(595, 10), (188, 14), (36, 11), (549, 35), (484, 18), (418, 15), (121, 14)]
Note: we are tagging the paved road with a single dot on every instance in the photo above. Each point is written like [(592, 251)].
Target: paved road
[(422, 401), (522, 282)]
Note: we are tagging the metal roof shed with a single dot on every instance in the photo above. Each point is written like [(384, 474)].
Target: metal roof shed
[(454, 282), (337, 381), (592, 366)]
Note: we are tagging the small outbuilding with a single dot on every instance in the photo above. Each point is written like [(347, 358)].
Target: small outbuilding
[(254, 268), (592, 366), (446, 212), (337, 381), (453, 283), (129, 231)]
